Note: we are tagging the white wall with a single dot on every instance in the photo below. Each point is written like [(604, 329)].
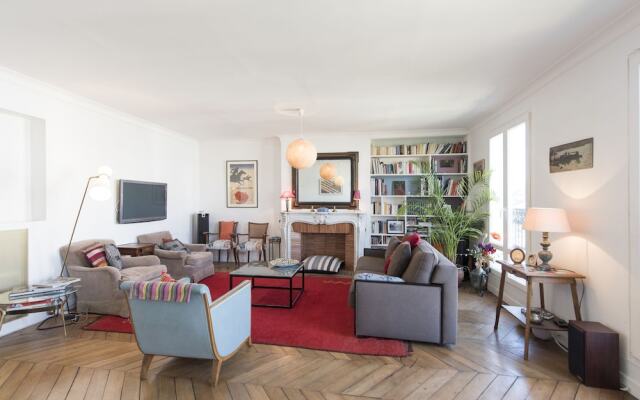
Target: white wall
[(583, 97), (214, 154), (80, 137)]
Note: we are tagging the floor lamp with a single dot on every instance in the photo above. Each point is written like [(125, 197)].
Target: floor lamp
[(99, 189)]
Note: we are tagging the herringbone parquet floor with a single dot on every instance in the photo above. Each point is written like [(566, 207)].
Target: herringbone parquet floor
[(483, 365)]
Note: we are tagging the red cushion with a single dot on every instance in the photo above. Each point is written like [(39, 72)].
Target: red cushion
[(412, 238), (166, 278), (387, 262), (96, 255)]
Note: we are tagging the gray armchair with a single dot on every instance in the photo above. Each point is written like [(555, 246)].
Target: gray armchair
[(196, 265), (99, 290)]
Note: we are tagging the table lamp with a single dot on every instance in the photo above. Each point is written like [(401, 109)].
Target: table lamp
[(287, 195), (546, 220), (356, 198)]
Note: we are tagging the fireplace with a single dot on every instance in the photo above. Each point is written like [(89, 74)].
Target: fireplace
[(337, 234)]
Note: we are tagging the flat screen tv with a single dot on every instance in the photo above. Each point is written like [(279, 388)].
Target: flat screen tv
[(142, 201)]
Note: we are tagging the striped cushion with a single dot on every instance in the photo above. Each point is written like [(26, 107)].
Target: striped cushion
[(179, 292), (96, 255), (322, 263)]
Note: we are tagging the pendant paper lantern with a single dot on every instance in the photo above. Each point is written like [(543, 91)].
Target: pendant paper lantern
[(338, 180), (328, 171), (301, 154)]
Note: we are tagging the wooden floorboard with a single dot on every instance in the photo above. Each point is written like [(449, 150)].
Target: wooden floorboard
[(483, 365)]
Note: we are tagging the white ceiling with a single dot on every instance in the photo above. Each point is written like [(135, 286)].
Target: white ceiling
[(212, 68)]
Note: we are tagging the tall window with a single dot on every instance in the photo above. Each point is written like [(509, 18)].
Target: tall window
[(508, 165)]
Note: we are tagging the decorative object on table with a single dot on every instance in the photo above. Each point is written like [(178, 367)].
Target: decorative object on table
[(274, 247), (571, 156), (532, 260), (328, 171), (534, 277), (517, 255), (284, 262), (99, 189), (301, 153), (312, 190), (328, 264), (356, 198), (546, 220), (256, 241), (482, 253), (451, 224), (287, 195), (594, 354), (395, 227), (478, 166), (398, 188), (242, 184)]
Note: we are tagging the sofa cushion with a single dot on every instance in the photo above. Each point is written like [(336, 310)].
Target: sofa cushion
[(199, 259), (96, 255), (143, 273), (174, 245), (399, 259), (368, 263), (413, 239), (391, 247), (156, 238), (113, 255), (420, 267)]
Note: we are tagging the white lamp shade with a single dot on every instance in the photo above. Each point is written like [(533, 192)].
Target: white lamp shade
[(546, 220), (100, 189), (328, 171), (301, 154)]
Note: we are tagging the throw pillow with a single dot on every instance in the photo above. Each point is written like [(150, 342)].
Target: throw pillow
[(174, 245), (421, 267), (412, 239), (166, 278), (370, 276), (400, 259), (391, 247), (226, 230), (113, 255), (323, 264), (96, 255)]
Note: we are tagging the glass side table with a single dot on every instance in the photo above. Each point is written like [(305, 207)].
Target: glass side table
[(54, 302)]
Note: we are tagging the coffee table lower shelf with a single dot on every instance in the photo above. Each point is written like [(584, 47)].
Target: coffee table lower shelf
[(516, 312), (292, 299)]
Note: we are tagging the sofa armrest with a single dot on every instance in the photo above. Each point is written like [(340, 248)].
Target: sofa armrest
[(371, 252), (399, 310), (196, 247), (142, 261), (175, 255), (100, 284), (231, 318)]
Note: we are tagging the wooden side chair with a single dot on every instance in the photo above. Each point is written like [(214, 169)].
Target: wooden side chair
[(224, 239), (255, 240)]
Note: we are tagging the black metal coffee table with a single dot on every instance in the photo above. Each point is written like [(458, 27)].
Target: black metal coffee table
[(263, 270)]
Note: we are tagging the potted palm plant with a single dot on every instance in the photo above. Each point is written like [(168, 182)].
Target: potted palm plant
[(451, 224)]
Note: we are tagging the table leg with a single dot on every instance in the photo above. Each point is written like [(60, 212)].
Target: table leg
[(61, 311), (527, 326), (542, 296), (576, 301), (2, 314), (230, 281), (500, 293)]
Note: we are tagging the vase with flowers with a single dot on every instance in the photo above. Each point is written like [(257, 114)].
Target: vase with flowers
[(482, 253)]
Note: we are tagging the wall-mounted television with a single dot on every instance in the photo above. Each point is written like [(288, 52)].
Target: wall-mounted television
[(142, 201)]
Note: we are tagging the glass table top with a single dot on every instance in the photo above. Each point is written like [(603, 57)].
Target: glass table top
[(263, 269), (55, 297)]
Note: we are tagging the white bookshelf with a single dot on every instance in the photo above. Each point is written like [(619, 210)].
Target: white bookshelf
[(394, 207)]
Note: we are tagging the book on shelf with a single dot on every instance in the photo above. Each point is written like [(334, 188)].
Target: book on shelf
[(404, 167), (419, 149)]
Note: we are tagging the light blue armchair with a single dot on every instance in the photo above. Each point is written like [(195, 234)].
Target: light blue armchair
[(197, 329)]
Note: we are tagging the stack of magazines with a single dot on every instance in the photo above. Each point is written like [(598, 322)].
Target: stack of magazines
[(54, 286)]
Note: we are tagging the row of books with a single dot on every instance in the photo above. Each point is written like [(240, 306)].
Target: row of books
[(414, 187), (379, 208), (450, 186), (419, 149), (400, 167)]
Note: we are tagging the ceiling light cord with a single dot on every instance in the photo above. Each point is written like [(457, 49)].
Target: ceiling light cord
[(301, 112)]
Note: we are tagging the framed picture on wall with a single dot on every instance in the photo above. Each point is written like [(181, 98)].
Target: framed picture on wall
[(395, 227), (242, 184)]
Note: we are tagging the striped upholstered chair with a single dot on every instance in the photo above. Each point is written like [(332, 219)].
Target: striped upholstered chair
[(255, 240), (223, 240), (194, 328)]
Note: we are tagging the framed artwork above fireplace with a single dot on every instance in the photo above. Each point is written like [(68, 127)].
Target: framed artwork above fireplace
[(312, 190)]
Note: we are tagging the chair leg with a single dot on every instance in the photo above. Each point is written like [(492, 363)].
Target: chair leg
[(215, 372), (146, 363), (249, 342)]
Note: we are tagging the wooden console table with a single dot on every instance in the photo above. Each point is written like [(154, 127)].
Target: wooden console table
[(532, 275), (136, 249)]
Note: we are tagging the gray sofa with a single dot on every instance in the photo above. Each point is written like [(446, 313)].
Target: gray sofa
[(99, 290), (422, 307), (196, 265)]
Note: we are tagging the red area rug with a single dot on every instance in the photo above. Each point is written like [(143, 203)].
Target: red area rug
[(321, 320)]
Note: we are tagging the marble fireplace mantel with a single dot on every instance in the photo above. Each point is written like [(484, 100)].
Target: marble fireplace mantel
[(355, 218)]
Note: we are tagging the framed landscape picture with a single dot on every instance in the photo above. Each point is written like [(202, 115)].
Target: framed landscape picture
[(571, 156), (395, 227), (242, 184)]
